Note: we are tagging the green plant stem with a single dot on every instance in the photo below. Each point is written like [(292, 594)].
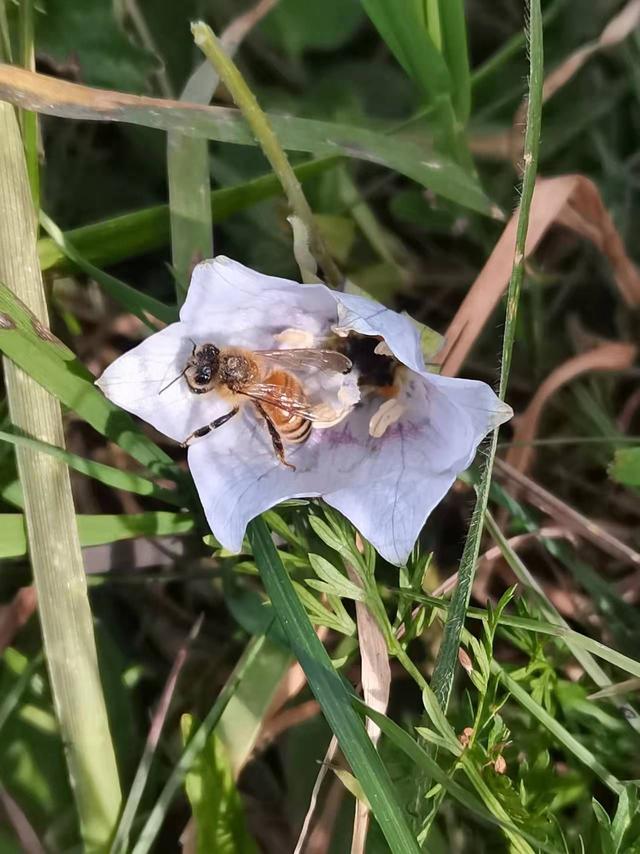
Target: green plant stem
[(246, 102), (447, 657), (54, 546), (444, 670)]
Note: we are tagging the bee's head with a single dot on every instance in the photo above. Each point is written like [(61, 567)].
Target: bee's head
[(202, 368)]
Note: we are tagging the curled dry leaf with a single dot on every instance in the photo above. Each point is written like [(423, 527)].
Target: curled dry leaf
[(616, 31), (376, 684), (613, 356), (15, 614), (465, 660), (570, 200)]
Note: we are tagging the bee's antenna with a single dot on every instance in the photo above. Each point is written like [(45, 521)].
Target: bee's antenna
[(174, 380)]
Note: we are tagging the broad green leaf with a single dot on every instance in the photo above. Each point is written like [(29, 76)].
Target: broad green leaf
[(411, 156), (26, 342), (215, 802), (332, 694), (147, 230), (625, 467), (98, 530)]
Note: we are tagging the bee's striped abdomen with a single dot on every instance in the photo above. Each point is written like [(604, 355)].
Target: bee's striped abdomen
[(291, 426)]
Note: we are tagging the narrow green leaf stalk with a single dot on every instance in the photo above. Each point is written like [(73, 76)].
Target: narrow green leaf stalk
[(447, 657), (54, 547), (246, 102), (444, 670)]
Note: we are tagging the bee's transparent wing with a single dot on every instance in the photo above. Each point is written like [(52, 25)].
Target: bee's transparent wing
[(307, 359), (274, 395)]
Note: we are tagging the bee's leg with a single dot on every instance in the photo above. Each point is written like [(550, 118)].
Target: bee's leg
[(278, 447), (202, 431)]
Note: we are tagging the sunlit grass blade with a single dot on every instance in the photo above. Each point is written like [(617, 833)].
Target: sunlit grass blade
[(129, 298), (448, 654), (193, 748), (331, 693), (109, 475), (44, 357), (96, 530), (54, 547), (147, 230), (409, 156)]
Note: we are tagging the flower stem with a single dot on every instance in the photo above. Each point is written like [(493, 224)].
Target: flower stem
[(444, 670), (246, 102), (54, 548)]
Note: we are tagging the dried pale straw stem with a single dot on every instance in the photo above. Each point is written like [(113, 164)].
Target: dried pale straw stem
[(54, 546)]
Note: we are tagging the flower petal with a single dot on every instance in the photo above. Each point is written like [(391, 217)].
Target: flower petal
[(368, 317), (411, 467), (230, 304), (139, 382), (238, 475)]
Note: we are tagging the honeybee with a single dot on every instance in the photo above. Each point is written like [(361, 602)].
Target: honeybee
[(267, 378)]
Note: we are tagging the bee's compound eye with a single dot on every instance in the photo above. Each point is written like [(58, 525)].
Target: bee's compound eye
[(203, 375)]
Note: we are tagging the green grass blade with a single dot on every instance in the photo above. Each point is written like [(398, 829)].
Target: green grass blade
[(421, 759), (565, 738), (331, 693), (123, 831), (448, 654), (97, 530), (54, 547), (12, 698), (405, 31), (416, 159), (44, 357), (134, 301), (109, 475), (575, 640), (188, 177), (193, 748), (147, 230), (456, 54)]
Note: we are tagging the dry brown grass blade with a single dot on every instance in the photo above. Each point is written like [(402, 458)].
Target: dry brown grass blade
[(611, 356), (571, 200), (15, 614), (28, 838), (376, 685), (565, 516), (616, 31)]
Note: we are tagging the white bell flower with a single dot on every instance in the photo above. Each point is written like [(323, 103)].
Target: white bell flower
[(396, 438)]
